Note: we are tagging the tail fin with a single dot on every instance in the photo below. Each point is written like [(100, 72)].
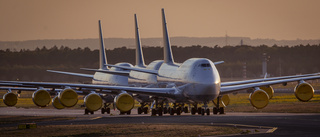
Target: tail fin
[(103, 57), (167, 53), (139, 53)]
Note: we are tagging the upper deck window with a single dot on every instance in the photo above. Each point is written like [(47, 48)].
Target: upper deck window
[(205, 65)]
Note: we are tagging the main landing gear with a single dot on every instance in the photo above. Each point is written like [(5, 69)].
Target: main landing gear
[(200, 110), (218, 109), (143, 109), (105, 108)]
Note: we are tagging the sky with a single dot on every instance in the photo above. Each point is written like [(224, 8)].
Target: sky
[(22, 20)]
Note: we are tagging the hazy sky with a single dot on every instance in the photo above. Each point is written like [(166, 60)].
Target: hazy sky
[(78, 19)]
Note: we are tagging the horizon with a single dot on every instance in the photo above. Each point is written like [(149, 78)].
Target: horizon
[(78, 19)]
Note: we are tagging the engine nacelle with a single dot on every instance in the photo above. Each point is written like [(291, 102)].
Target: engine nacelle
[(56, 103), (68, 97), (269, 90), (93, 102), (225, 99), (304, 91), (41, 98), (124, 102), (259, 99), (10, 99)]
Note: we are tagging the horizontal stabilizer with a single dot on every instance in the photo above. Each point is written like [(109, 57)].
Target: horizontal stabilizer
[(218, 62), (71, 73), (121, 73)]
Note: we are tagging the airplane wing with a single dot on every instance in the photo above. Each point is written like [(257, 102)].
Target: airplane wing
[(263, 79), (234, 88), (121, 73), (163, 92), (72, 73)]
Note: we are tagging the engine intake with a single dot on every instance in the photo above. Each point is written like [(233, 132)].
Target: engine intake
[(124, 102), (269, 90), (304, 91), (68, 97), (10, 99), (56, 103), (41, 98), (259, 99), (93, 102)]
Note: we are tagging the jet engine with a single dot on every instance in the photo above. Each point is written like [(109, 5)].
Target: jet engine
[(93, 102), (41, 98), (124, 102), (225, 99), (56, 103), (10, 99), (304, 91), (68, 97), (269, 90), (259, 99)]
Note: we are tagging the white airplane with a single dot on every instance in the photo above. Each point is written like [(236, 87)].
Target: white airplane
[(201, 80)]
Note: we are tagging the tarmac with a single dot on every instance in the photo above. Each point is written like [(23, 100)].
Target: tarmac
[(252, 124)]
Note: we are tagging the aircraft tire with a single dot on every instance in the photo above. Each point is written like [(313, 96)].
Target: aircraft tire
[(160, 112), (202, 112), (165, 110), (108, 110), (199, 111), (129, 112), (86, 111), (208, 111), (103, 110), (215, 110), (221, 110), (145, 110), (185, 109), (139, 110), (193, 111), (153, 112)]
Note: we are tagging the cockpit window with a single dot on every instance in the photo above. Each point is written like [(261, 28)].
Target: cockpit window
[(205, 65)]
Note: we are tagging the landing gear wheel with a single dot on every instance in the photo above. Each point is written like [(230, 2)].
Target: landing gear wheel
[(108, 110), (208, 111), (139, 110), (202, 112), (171, 111), (193, 111), (215, 110), (165, 110), (145, 110), (221, 110), (179, 111), (153, 112), (86, 111), (129, 112), (199, 111), (103, 110), (185, 109), (160, 111)]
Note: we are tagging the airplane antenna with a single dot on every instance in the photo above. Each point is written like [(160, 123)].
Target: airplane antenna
[(168, 58), (103, 57), (139, 53)]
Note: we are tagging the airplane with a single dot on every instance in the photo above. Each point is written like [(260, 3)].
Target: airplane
[(202, 84)]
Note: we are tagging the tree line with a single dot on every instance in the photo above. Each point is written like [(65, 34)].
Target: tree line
[(31, 65)]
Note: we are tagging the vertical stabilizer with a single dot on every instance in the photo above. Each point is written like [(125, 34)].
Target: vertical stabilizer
[(167, 52), (139, 53), (103, 57)]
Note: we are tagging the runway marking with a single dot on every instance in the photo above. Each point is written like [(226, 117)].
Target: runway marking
[(272, 130), (96, 118)]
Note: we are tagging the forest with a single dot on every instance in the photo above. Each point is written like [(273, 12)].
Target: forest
[(31, 65)]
